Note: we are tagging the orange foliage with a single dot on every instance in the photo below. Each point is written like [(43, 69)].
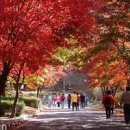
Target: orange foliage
[(52, 74), (102, 73)]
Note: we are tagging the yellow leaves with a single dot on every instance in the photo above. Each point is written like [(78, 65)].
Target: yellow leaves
[(34, 81), (70, 56)]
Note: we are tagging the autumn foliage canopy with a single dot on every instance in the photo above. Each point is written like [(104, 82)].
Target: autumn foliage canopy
[(109, 56), (31, 29)]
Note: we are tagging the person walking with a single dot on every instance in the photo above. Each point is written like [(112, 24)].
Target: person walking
[(82, 100), (74, 99), (125, 100), (62, 100), (107, 101), (86, 100), (54, 101), (50, 101), (78, 101), (69, 100), (112, 105), (58, 100)]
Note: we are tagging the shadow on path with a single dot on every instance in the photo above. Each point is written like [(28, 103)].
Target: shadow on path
[(75, 120)]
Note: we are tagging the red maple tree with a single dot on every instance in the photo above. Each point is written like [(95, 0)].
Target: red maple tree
[(31, 29)]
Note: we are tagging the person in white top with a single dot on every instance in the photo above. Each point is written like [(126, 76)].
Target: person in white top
[(50, 101)]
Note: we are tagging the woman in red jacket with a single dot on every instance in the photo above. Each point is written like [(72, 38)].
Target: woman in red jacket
[(108, 102)]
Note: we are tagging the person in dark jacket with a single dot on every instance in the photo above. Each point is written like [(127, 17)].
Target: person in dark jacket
[(108, 101), (69, 100), (82, 100)]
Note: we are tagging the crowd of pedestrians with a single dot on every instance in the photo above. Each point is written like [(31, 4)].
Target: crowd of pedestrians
[(77, 101), (74, 101)]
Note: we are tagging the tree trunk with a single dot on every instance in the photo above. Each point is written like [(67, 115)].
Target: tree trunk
[(3, 78), (38, 90), (13, 113), (114, 90), (102, 90), (17, 91), (0, 99)]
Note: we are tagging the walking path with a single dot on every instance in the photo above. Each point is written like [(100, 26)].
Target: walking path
[(64, 119)]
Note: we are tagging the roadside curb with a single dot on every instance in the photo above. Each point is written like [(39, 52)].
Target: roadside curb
[(16, 122)]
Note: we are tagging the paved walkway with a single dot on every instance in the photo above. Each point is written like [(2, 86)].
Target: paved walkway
[(87, 119)]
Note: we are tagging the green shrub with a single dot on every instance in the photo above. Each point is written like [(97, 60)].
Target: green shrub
[(19, 108), (30, 101), (8, 98), (6, 107)]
